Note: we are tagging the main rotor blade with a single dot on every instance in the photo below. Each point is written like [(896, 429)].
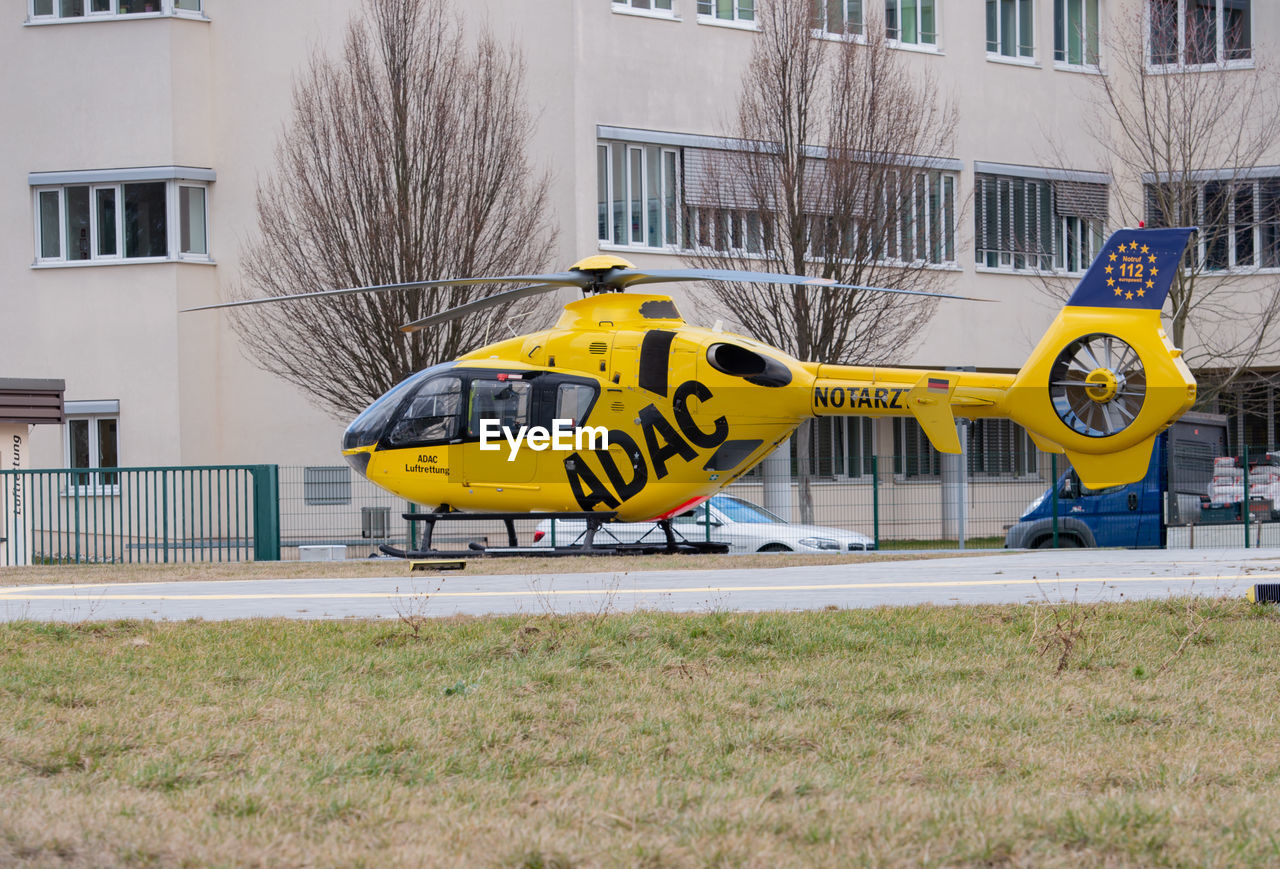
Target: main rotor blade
[(479, 305), (661, 276), (560, 279)]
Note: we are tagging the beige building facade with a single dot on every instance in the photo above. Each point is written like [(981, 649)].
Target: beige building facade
[(137, 133)]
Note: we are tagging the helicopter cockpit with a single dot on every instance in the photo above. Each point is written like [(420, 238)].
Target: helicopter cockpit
[(447, 404)]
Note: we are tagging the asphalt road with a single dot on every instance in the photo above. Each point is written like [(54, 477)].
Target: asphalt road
[(1085, 575)]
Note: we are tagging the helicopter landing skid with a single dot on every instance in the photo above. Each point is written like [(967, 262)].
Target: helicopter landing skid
[(481, 551), (587, 546)]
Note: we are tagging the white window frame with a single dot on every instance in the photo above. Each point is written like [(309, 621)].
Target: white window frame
[(666, 242), (906, 230), (1231, 231), (1090, 235), (911, 443), (174, 179), (1061, 34), (1005, 440), (919, 44), (858, 32), (91, 413), (1220, 42), (164, 9), (1007, 255), (1019, 57), (736, 19), (843, 431), (743, 228), (649, 9)]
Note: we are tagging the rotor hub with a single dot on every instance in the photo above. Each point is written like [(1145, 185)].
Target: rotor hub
[(1102, 384)]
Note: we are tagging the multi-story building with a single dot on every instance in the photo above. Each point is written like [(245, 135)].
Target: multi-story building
[(136, 132)]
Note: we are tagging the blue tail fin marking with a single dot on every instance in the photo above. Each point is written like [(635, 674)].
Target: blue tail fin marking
[(1134, 270)]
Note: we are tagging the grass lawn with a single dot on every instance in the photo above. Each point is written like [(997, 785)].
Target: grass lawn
[(1112, 734)]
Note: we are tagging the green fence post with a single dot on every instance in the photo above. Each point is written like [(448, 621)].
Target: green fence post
[(164, 512), (875, 500), (1053, 477), (413, 528), (266, 512), (1245, 505)]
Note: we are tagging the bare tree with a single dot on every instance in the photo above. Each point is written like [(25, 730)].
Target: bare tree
[(1186, 131), (832, 180), (403, 161)]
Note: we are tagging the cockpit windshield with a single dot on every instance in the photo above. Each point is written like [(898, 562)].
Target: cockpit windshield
[(366, 429)]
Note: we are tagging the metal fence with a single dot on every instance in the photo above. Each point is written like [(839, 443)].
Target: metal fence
[(132, 515), (332, 506), (261, 512)]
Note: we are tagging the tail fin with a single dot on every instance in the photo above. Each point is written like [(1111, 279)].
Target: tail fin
[(1100, 385), (1112, 378)]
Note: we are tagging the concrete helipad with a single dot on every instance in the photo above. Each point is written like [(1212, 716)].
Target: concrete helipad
[(1084, 575)]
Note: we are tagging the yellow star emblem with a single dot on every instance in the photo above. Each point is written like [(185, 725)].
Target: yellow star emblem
[(1119, 291), (1141, 292), (1145, 248), (1128, 295), (1113, 256), (1155, 272), (1108, 269), (1111, 282), (1123, 248), (1150, 284), (1151, 258)]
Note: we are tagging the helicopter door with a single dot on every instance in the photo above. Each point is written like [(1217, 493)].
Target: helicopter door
[(508, 402)]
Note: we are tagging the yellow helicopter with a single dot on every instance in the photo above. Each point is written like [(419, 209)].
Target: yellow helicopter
[(624, 411)]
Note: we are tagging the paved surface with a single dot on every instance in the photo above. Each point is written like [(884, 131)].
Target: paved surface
[(1084, 575)]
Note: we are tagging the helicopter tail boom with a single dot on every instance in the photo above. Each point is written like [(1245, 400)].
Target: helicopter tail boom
[(1103, 382)]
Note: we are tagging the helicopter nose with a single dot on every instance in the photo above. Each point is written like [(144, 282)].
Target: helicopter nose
[(358, 460)]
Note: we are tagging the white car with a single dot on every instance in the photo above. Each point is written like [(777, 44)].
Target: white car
[(744, 526)]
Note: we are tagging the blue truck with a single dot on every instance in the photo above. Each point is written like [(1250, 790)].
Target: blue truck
[(1171, 494)]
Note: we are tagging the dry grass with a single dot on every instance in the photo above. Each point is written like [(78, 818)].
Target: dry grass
[(115, 573), (916, 736)]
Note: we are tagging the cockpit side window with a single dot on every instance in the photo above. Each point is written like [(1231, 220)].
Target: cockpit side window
[(434, 415), (506, 401), (573, 401)]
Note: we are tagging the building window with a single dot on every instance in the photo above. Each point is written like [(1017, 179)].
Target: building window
[(1036, 224), (728, 10), (106, 221), (637, 189), (1239, 221), (911, 22), (840, 447), (89, 10), (1078, 242), (924, 231), (1001, 448), (93, 444), (659, 7), (913, 454), (837, 17), (1199, 32), (1014, 223), (1010, 29), (996, 448), (326, 485), (1075, 32)]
